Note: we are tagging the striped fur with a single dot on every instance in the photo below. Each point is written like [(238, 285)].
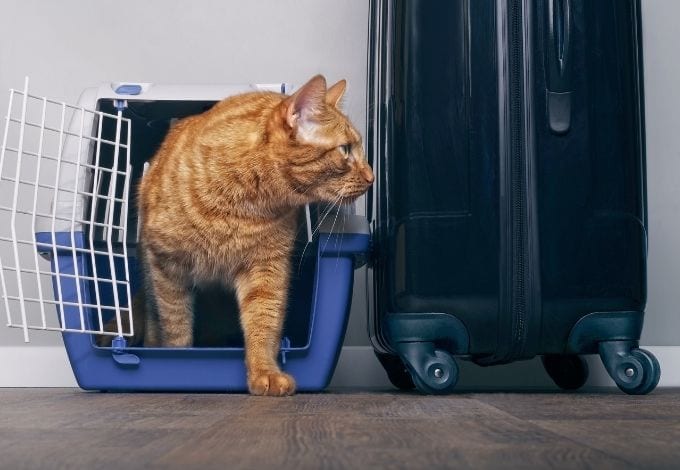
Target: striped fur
[(220, 201)]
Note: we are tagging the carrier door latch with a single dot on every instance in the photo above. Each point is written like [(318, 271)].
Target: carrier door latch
[(119, 355), (126, 89), (285, 347)]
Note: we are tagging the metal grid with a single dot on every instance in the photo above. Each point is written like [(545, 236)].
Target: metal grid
[(63, 217)]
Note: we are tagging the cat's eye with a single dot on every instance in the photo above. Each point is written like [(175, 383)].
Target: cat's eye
[(346, 149)]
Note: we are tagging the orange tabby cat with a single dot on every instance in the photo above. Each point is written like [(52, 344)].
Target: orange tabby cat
[(219, 202)]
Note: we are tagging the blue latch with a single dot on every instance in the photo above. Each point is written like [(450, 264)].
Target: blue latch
[(129, 89), (118, 346), (285, 347), (120, 105)]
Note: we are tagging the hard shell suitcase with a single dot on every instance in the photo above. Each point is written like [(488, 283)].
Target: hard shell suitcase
[(509, 211)]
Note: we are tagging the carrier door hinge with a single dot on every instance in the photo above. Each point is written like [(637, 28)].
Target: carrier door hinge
[(119, 355), (120, 105)]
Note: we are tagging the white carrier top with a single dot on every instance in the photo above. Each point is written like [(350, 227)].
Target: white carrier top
[(82, 140)]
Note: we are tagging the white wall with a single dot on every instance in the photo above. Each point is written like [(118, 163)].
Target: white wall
[(68, 45)]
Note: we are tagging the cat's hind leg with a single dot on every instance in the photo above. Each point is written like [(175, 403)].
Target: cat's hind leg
[(170, 322), (262, 293)]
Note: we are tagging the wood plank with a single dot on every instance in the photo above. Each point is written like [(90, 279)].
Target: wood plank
[(641, 443), (48, 428), (609, 404)]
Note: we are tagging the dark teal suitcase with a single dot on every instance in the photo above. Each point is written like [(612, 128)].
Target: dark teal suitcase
[(509, 212)]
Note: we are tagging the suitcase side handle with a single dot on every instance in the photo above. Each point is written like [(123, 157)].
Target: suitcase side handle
[(558, 48)]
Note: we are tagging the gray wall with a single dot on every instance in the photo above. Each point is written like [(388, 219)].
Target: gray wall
[(662, 102), (68, 45)]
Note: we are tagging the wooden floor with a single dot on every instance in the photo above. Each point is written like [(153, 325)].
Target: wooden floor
[(71, 429)]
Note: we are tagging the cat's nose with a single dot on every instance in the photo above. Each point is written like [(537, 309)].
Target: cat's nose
[(367, 173)]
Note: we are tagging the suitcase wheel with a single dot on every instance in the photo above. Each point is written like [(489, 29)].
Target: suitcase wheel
[(434, 371), (568, 371), (635, 371), (397, 372)]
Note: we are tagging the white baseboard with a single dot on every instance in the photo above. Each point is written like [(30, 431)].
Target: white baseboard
[(31, 366), (35, 366)]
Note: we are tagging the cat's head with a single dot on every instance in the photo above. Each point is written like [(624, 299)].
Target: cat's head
[(323, 153)]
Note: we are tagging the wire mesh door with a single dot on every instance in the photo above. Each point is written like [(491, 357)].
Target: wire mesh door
[(64, 189)]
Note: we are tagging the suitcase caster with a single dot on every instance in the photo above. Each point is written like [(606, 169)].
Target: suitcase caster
[(635, 371), (568, 371), (434, 371), (397, 372)]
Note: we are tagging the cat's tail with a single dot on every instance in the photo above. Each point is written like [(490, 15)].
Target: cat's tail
[(138, 321)]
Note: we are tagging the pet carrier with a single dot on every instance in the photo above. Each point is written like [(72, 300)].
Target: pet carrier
[(69, 231)]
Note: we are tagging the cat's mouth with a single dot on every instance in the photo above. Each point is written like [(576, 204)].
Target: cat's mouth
[(352, 196)]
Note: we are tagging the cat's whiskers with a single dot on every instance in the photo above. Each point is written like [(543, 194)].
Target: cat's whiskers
[(327, 210), (340, 201), (333, 225), (342, 233)]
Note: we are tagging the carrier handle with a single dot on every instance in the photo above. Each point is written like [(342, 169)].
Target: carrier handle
[(558, 48)]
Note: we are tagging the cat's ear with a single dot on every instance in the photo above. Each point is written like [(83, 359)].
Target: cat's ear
[(305, 102), (334, 93)]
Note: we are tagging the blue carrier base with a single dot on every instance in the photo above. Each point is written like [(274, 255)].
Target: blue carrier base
[(207, 369)]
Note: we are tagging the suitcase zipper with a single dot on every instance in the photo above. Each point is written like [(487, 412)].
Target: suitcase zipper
[(518, 183), (513, 335), (519, 306), (515, 269)]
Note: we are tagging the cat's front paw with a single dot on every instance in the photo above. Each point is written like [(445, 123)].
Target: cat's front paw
[(274, 384)]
